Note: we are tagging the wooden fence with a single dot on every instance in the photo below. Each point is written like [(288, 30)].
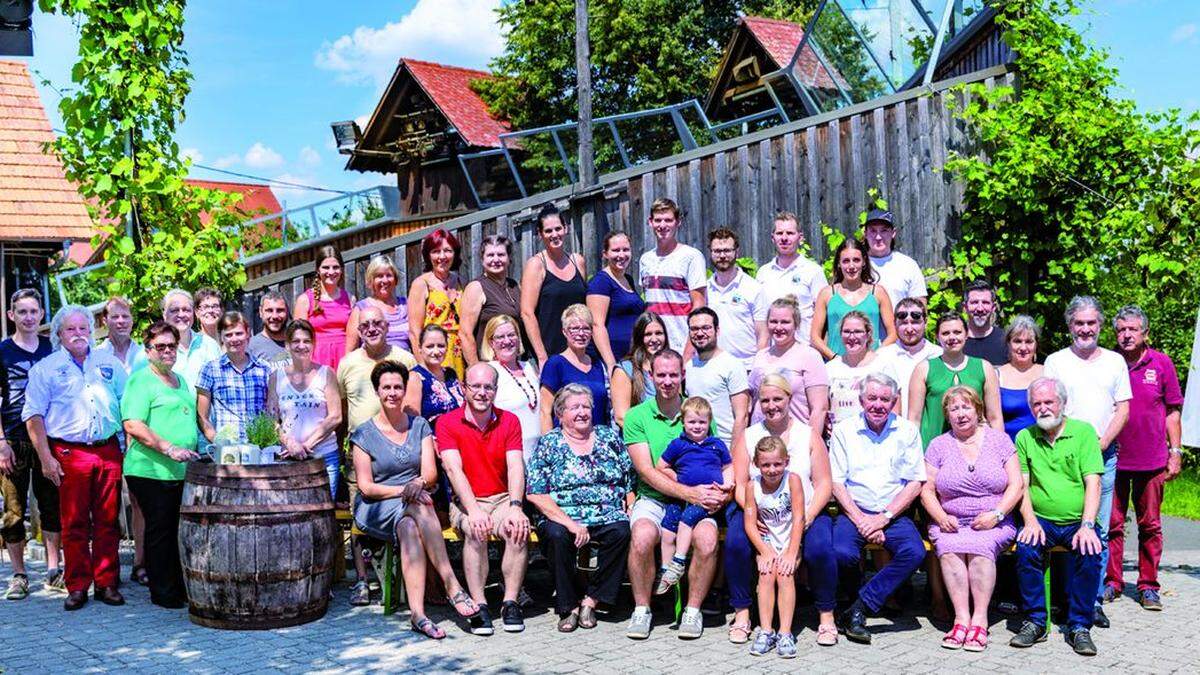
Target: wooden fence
[(819, 168)]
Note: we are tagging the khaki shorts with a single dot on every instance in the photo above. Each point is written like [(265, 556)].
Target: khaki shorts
[(496, 506)]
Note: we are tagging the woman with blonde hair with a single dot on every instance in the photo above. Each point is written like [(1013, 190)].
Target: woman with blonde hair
[(574, 365), (327, 307), (517, 381), (383, 278), (796, 361)]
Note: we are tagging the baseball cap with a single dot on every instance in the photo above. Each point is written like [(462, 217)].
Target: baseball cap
[(879, 216)]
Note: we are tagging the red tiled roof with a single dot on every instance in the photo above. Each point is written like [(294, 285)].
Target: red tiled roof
[(257, 198), (449, 88), (780, 39), (36, 200)]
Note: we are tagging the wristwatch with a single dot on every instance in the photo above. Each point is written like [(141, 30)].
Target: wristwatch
[(1091, 525), (889, 515), (1173, 451), (517, 503), (999, 515)]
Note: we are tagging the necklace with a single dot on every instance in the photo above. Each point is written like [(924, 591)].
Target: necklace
[(969, 444), (530, 392)]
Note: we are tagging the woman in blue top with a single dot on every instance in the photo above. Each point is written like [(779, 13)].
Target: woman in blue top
[(436, 388), (1015, 376), (613, 300), (854, 289), (574, 365)]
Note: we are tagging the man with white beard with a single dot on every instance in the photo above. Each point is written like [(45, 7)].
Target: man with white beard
[(1061, 466)]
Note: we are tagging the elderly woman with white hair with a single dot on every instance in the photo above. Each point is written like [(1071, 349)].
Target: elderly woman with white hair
[(195, 348), (383, 278), (581, 479), (72, 412), (575, 365)]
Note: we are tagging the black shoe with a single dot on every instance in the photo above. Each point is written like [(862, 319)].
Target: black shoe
[(110, 596), (854, 624), (75, 600), (481, 623), (512, 617), (1081, 641), (1100, 619), (1030, 634)]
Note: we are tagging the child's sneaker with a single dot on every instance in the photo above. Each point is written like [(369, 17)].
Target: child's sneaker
[(670, 576), (785, 644), (764, 642)]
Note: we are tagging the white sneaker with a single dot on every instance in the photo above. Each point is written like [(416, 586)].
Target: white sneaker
[(639, 625)]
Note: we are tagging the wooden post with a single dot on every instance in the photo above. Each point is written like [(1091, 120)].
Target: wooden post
[(583, 85)]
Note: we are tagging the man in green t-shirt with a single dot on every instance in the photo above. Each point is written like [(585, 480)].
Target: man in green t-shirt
[(1061, 466), (649, 427)]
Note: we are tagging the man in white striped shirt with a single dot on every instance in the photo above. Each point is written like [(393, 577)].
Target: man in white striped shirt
[(672, 275)]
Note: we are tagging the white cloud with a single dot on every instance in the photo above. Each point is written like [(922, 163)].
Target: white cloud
[(1184, 33), (454, 32), (193, 154), (299, 196), (227, 161), (260, 156), (309, 156)]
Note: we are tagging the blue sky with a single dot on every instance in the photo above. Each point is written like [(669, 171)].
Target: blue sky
[(271, 75)]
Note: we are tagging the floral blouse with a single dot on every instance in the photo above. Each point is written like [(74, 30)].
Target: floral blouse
[(590, 489)]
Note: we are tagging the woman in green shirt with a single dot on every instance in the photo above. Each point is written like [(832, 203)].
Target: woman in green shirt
[(159, 413), (933, 378)]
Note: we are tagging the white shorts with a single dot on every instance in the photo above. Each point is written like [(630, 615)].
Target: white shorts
[(648, 508)]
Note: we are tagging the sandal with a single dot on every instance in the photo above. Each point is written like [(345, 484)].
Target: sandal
[(956, 637), (739, 633), (827, 636), (428, 628), (569, 622), (977, 639), (587, 617), (139, 575), (460, 600)]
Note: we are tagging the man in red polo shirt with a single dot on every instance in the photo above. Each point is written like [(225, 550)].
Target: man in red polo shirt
[(1150, 454), (481, 451)]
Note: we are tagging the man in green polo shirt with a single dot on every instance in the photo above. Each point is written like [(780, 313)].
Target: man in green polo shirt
[(649, 427), (1061, 466)]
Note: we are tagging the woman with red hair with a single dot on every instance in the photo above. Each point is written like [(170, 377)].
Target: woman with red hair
[(435, 295)]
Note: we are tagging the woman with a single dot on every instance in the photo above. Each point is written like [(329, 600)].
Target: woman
[(581, 479), (551, 281), (798, 362), (208, 311), (326, 306), (493, 294), (931, 380), (973, 485), (395, 468), (1021, 370), (435, 295), (383, 278), (305, 398), (808, 459), (853, 290), (516, 381), (574, 365), (628, 389), (613, 301), (159, 414), (433, 389), (846, 371)]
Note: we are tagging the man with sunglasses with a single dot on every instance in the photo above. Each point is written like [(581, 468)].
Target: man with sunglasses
[(910, 348)]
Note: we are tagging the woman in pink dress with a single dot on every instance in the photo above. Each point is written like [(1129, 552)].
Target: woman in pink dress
[(327, 307), (973, 485)]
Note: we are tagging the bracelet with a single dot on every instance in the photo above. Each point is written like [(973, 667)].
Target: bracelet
[(1170, 451)]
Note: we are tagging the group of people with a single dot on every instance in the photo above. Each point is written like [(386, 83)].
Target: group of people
[(625, 422)]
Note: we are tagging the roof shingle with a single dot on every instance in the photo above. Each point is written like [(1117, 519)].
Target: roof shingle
[(780, 39), (449, 89)]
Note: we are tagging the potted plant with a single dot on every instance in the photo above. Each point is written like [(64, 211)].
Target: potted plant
[(263, 433)]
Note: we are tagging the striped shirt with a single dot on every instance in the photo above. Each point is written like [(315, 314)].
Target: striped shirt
[(668, 281)]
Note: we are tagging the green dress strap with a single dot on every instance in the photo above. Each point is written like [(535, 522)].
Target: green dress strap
[(937, 382)]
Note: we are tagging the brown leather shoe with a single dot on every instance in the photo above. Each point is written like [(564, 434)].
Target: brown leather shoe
[(110, 596), (75, 600)]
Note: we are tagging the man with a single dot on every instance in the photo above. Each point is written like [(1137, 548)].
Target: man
[(195, 348), (899, 274), (359, 404), (1098, 392), (910, 348), (481, 451), (878, 467), (19, 465), (790, 273), (716, 376), (209, 307), (650, 427), (117, 316), (672, 275), (1150, 454), (268, 344), (737, 298), (1061, 467), (232, 389), (72, 413), (984, 339)]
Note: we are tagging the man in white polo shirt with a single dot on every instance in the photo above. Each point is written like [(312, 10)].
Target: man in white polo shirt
[(790, 273), (672, 274), (910, 348), (737, 298), (716, 376), (898, 273)]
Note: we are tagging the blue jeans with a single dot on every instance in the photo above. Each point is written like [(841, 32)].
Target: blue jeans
[(822, 564), (1082, 574), (1107, 482), (741, 573), (333, 470), (902, 540)]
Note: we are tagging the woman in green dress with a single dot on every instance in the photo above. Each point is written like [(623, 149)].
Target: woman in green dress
[(931, 380), (854, 289)]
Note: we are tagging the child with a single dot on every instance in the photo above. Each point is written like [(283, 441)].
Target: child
[(775, 499), (695, 458)]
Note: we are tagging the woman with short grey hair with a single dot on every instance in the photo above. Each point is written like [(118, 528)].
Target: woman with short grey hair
[(1022, 337)]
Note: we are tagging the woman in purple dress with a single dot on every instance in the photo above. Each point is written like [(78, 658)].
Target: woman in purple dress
[(973, 485)]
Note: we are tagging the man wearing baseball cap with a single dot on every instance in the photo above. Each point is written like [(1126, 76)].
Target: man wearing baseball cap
[(898, 273)]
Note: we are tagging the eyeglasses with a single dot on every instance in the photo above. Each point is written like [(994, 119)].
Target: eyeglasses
[(700, 329), (373, 324), (853, 332), (482, 387), (579, 330), (915, 316), (164, 346)]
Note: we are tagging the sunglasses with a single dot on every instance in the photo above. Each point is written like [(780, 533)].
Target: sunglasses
[(905, 316)]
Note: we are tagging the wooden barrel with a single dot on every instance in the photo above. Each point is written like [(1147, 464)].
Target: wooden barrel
[(257, 544)]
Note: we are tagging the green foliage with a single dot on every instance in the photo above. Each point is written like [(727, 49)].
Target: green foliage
[(129, 86), (261, 431), (1182, 496), (1075, 191)]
